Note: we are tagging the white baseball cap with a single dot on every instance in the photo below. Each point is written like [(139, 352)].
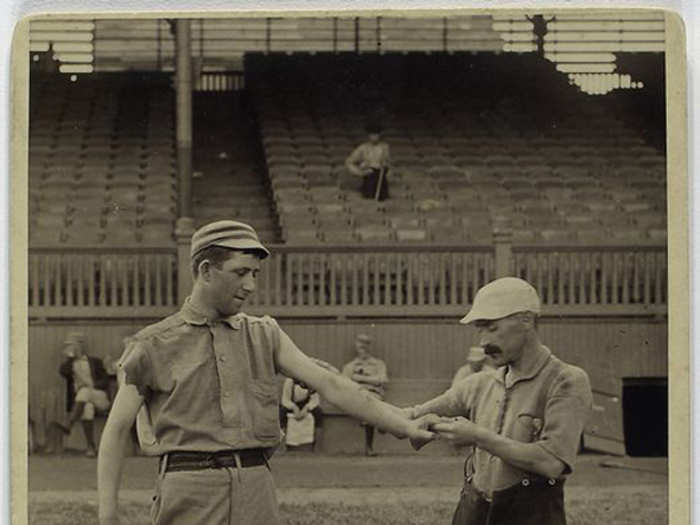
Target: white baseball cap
[(501, 298)]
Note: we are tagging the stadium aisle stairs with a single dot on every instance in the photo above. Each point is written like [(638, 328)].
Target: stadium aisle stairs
[(228, 179)]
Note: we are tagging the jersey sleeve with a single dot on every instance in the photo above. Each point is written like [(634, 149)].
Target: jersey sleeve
[(566, 413), (454, 402), (137, 366), (357, 155)]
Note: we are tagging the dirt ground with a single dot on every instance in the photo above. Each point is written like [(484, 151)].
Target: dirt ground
[(316, 489)]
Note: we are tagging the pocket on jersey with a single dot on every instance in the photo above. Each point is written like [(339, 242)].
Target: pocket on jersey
[(528, 428), (265, 409)]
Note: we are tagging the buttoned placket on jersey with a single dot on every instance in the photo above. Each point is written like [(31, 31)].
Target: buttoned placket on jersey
[(226, 372)]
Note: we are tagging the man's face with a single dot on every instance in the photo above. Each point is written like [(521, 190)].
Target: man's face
[(362, 348), (73, 350), (230, 285), (374, 138), (503, 340)]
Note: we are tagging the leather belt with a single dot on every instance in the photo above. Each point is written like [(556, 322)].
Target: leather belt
[(181, 461)]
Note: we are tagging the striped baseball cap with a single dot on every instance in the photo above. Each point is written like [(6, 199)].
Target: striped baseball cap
[(227, 234)]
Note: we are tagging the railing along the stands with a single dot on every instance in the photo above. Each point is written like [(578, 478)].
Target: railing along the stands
[(356, 281), (102, 282), (367, 280), (596, 280)]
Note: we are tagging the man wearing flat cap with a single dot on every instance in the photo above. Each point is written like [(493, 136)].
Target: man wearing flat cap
[(203, 385), (370, 374), (525, 419), (86, 386)]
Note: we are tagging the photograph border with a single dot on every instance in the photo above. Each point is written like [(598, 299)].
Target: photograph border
[(678, 226)]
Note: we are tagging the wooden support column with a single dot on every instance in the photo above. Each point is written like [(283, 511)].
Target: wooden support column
[(183, 115), (183, 235), (503, 254)]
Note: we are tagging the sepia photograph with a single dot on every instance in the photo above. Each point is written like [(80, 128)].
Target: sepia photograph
[(351, 268)]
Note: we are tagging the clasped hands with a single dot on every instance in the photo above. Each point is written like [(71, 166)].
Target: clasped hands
[(456, 430)]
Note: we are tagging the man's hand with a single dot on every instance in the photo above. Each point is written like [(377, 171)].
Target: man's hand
[(409, 412), (302, 413), (296, 412), (457, 430), (425, 423)]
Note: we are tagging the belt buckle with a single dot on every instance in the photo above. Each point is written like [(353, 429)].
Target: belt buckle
[(216, 461)]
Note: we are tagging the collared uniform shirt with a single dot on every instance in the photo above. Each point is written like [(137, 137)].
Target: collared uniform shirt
[(368, 155), (207, 386), (547, 405), (372, 367)]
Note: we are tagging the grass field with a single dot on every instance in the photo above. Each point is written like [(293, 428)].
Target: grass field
[(347, 490), (632, 506)]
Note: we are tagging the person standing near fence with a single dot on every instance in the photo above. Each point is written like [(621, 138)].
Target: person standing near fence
[(525, 419), (370, 160), (86, 383), (298, 402), (370, 374), (206, 377)]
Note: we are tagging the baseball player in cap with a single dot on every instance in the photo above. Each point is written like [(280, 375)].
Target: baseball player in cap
[(203, 385), (86, 385), (525, 419)]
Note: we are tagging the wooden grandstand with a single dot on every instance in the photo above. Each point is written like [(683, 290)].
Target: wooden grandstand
[(500, 167)]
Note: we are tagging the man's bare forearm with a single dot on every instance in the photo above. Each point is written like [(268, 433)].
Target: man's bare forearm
[(109, 470), (345, 394), (526, 456)]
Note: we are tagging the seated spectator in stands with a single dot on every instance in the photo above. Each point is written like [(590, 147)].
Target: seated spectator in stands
[(370, 373), (370, 160), (87, 383), (298, 401), (477, 360)]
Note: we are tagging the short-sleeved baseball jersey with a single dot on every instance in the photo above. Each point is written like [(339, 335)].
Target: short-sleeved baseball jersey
[(548, 404), (207, 386), (371, 367)]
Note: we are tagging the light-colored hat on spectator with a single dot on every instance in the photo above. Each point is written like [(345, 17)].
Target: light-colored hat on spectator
[(363, 338), (74, 338)]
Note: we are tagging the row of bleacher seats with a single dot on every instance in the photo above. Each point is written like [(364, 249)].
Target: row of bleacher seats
[(588, 178), (102, 161)]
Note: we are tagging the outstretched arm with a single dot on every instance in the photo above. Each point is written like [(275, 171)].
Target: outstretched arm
[(345, 394)]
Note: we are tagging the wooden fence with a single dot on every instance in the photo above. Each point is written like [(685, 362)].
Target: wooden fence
[(591, 280), (102, 282), (355, 281)]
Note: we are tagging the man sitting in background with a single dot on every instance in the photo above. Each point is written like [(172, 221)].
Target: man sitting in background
[(371, 375), (87, 383), (298, 401), (370, 160)]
